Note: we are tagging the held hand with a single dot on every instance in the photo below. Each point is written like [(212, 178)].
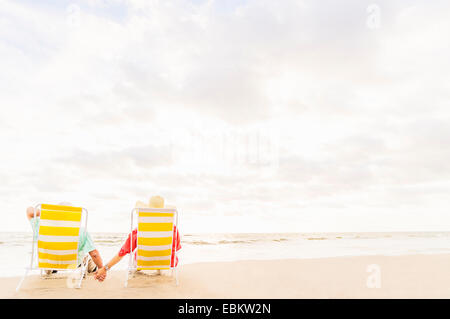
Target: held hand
[(100, 278), (100, 275)]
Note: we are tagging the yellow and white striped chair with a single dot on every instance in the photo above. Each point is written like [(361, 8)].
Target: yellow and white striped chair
[(57, 240), (155, 238)]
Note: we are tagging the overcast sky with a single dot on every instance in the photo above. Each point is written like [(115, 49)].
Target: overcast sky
[(249, 116)]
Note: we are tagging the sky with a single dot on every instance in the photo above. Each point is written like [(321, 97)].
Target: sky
[(248, 116)]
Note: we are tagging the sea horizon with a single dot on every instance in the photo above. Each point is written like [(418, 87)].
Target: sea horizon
[(15, 247)]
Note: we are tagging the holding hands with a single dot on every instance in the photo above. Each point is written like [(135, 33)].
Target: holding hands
[(100, 275)]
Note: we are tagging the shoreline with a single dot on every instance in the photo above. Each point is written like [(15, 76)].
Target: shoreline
[(407, 276)]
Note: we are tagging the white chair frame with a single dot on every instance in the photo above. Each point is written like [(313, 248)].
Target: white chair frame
[(33, 254), (131, 267)]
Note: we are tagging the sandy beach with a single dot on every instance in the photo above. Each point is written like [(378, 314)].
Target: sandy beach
[(415, 276)]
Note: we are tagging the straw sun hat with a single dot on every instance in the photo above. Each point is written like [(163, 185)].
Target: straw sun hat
[(154, 202)]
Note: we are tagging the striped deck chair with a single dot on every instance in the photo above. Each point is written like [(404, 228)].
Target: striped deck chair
[(155, 237), (57, 242)]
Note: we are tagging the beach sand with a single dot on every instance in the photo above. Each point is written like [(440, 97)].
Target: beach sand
[(414, 276)]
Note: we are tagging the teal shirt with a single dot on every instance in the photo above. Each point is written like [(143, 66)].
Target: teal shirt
[(85, 242)]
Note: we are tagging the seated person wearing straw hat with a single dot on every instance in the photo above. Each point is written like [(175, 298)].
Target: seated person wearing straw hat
[(85, 243), (155, 202)]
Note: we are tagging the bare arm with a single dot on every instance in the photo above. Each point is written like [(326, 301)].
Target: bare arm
[(114, 260), (101, 273), (96, 258)]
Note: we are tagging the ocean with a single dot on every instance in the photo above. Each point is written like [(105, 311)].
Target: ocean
[(15, 248)]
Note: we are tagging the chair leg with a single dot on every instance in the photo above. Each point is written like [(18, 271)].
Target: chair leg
[(82, 272), (22, 280), (126, 277), (176, 276), (78, 286)]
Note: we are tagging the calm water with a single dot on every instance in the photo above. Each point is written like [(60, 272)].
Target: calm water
[(15, 248)]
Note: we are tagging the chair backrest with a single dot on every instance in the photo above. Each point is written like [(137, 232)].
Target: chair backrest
[(155, 237), (59, 229)]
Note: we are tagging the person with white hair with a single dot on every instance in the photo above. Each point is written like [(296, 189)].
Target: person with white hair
[(87, 253)]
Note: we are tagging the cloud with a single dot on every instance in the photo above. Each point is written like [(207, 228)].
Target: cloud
[(101, 164), (108, 102)]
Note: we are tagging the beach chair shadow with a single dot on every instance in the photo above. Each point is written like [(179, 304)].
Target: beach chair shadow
[(55, 246), (155, 238)]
